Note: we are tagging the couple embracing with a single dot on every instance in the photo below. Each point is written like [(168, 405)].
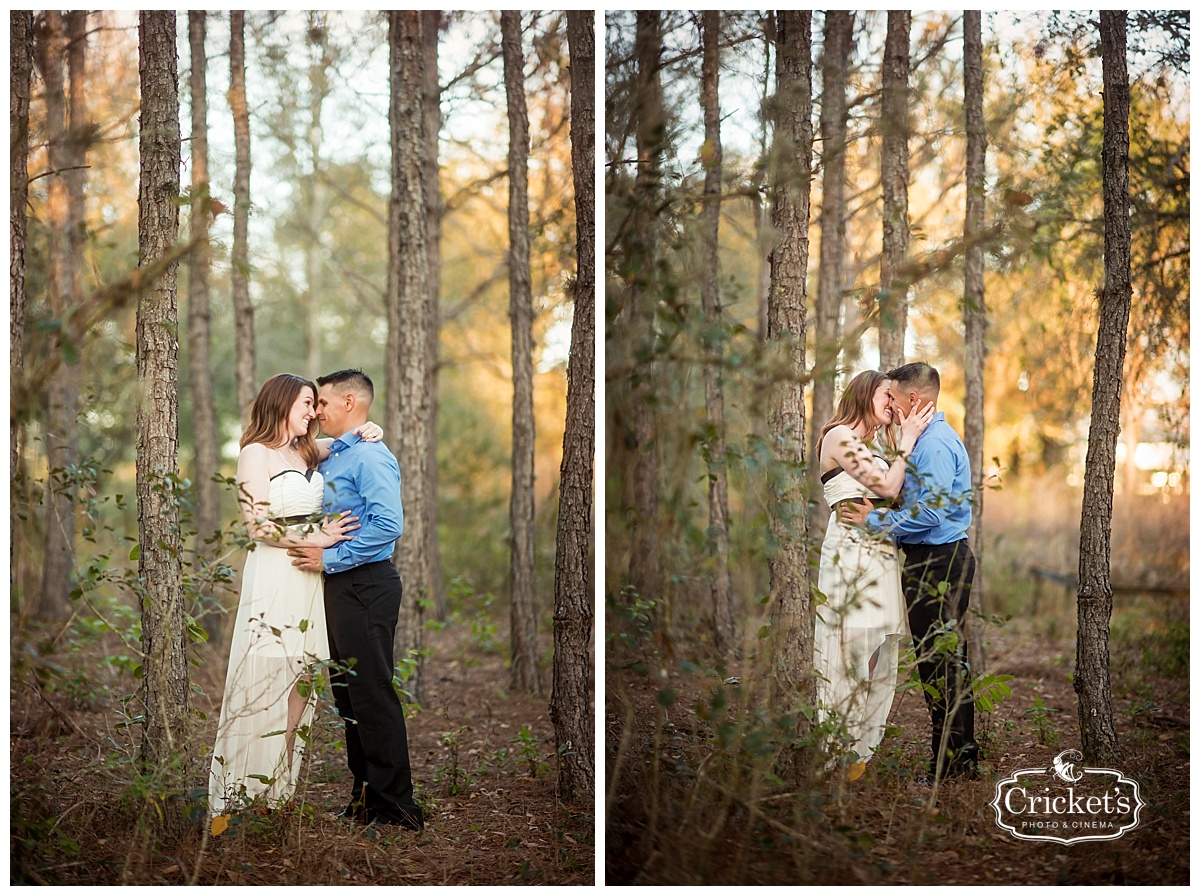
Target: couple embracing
[(897, 479), (314, 506)]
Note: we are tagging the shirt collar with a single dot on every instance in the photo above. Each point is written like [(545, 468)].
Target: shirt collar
[(937, 416), (347, 440)]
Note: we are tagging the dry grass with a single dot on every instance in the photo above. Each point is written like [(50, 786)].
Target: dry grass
[(694, 798), (77, 811)]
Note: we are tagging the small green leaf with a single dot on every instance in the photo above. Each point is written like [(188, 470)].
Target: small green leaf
[(134, 552)]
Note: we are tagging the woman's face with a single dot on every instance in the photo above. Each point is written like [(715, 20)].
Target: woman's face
[(881, 403), (302, 412)]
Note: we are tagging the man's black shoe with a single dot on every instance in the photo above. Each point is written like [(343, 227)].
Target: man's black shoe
[(964, 770), (398, 819), (354, 812)]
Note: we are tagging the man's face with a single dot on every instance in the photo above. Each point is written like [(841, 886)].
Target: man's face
[(331, 412), (901, 400)]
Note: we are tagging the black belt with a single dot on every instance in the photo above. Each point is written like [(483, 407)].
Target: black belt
[(910, 545)]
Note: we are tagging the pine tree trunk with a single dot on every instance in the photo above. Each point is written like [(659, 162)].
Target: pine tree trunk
[(974, 308), (1092, 683), (571, 702), (791, 598), (243, 310), (432, 92), (62, 283), (835, 63), (164, 635), (721, 587), (318, 194), (642, 487), (894, 125), (760, 206), (204, 415), (406, 421), (20, 53), (523, 603)]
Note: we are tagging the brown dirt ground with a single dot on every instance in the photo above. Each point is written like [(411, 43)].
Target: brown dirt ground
[(74, 811), (883, 828)]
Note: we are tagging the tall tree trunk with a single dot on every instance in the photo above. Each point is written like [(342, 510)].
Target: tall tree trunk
[(835, 64), (1092, 684), (204, 414), (760, 204), (642, 486), (20, 53), (62, 295), (164, 634), (243, 310), (406, 423), (571, 698), (523, 602), (974, 306), (791, 597), (894, 125), (432, 93), (721, 586), (318, 193)]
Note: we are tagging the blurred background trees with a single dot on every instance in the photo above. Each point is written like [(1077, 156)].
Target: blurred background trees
[(286, 186), (1041, 269)]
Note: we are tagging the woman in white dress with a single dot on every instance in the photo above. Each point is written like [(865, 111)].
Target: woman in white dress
[(279, 635), (861, 622)]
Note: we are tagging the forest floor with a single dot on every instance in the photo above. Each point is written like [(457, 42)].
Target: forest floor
[(687, 812), (483, 763)]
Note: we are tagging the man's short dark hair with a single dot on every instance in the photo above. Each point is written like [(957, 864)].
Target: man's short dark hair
[(918, 375), (352, 377)]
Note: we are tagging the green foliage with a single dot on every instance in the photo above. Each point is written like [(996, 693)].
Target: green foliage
[(631, 625), (990, 691), (453, 777), (1044, 730)]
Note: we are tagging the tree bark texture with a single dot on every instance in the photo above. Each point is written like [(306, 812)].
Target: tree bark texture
[(974, 305), (571, 701), (1092, 683), (835, 64), (318, 193), (243, 310), (62, 397), (406, 415), (164, 634), (432, 92), (20, 54), (642, 487), (204, 415), (721, 585), (523, 603), (791, 597), (760, 205), (894, 126)]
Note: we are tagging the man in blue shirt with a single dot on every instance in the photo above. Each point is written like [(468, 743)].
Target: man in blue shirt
[(931, 528), (362, 603)]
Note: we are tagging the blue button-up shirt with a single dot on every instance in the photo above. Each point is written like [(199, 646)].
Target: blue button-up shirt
[(363, 478), (936, 501)]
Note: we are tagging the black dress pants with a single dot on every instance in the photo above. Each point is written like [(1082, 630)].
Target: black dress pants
[(937, 589), (361, 608)]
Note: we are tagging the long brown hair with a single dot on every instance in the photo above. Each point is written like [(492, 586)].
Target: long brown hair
[(854, 406), (269, 413)]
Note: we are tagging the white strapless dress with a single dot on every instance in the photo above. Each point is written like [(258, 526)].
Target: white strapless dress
[(860, 624), (278, 634)]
